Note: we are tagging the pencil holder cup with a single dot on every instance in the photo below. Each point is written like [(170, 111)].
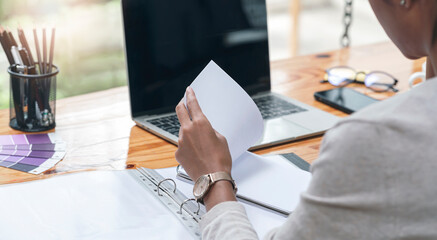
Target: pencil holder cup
[(32, 99)]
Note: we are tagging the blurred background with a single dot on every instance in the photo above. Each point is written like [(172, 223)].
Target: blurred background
[(89, 36)]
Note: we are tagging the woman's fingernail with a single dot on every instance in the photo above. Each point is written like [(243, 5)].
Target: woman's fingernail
[(188, 88)]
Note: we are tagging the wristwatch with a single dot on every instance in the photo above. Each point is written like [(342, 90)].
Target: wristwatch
[(204, 183)]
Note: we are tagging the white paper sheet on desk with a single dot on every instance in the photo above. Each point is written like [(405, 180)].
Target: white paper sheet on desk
[(230, 110), (88, 205)]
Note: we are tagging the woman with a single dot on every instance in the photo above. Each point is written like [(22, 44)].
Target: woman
[(376, 174)]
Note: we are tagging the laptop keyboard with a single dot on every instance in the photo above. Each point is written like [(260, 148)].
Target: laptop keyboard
[(169, 124), (273, 107), (269, 106)]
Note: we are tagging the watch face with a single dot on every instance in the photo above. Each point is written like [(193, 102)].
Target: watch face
[(201, 186)]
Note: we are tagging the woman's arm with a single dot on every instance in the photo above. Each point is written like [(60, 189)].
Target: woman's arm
[(202, 150)]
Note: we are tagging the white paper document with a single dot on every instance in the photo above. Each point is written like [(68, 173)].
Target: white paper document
[(229, 109), (87, 205), (99, 205)]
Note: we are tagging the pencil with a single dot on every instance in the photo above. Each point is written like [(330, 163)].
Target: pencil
[(49, 70), (12, 39), (52, 48), (34, 84), (38, 52), (6, 47), (8, 43), (25, 45), (44, 50), (41, 69), (32, 90), (16, 93)]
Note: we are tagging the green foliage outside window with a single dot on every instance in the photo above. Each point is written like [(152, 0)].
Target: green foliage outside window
[(89, 42)]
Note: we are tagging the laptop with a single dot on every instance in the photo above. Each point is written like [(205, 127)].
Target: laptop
[(169, 42)]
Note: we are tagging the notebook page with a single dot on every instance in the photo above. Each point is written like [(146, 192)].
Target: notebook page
[(272, 180), (229, 108), (87, 205)]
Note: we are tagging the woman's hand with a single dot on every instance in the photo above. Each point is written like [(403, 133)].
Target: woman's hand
[(202, 150)]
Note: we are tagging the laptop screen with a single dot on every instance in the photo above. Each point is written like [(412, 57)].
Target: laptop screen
[(169, 42)]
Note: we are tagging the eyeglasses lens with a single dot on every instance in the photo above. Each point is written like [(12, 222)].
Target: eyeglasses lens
[(341, 76), (379, 82)]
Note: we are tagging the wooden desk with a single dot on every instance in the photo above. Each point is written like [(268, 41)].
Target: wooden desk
[(101, 135)]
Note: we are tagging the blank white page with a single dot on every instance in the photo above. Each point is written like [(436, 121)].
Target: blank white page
[(231, 111), (272, 180), (87, 205)]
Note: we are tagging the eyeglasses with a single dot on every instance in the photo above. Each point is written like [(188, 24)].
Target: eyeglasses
[(377, 81)]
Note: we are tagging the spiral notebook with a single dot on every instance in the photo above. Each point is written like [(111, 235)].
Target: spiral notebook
[(127, 204)]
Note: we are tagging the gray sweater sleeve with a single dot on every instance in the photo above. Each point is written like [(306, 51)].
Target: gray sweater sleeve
[(227, 220), (346, 192)]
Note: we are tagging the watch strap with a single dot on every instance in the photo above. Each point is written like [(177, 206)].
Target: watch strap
[(220, 176)]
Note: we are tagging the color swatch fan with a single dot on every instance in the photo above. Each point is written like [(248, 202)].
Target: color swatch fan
[(31, 153)]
